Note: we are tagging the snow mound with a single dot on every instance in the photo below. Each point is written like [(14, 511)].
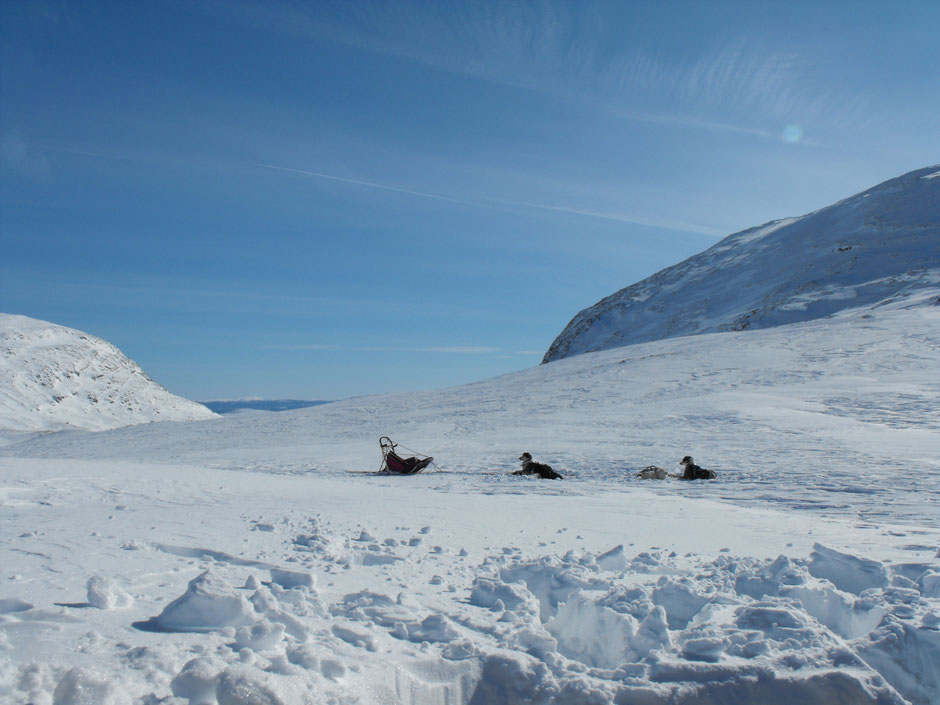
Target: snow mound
[(209, 603), (882, 245), (84, 687), (53, 378), (105, 594)]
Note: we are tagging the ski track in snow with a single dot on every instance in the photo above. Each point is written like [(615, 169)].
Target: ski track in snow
[(236, 560)]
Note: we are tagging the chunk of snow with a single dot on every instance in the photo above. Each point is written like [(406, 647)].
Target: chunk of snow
[(845, 571), (196, 681), (487, 592), (209, 603), (680, 599), (434, 628), (240, 685), (592, 633), (80, 686), (707, 649), (260, 636), (908, 657), (931, 584), (290, 579), (105, 594), (614, 560), (354, 637)]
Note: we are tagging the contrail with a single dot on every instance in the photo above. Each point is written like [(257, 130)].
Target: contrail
[(650, 222), (507, 205), (384, 187)]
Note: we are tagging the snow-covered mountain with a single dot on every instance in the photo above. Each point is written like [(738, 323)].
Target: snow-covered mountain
[(880, 245), (53, 377)]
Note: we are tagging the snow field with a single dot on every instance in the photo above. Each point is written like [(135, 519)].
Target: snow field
[(236, 561), (425, 601), (835, 417)]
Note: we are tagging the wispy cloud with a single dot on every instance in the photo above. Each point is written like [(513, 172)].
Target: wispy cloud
[(460, 349), (18, 155), (661, 223), (446, 350), (694, 122), (573, 51), (665, 224), (311, 347), (227, 298), (384, 187)]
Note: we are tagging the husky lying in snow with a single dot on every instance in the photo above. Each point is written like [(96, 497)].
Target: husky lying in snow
[(694, 472), (530, 467), (652, 472)]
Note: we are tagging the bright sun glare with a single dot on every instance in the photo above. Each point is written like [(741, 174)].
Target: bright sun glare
[(792, 134)]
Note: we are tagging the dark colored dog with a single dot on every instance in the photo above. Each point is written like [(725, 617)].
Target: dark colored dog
[(530, 467), (694, 472)]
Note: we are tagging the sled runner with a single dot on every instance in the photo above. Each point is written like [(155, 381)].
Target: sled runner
[(394, 464)]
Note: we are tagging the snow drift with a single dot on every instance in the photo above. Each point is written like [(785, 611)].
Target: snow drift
[(52, 377), (880, 245)]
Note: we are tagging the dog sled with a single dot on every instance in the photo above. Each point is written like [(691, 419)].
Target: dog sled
[(394, 464)]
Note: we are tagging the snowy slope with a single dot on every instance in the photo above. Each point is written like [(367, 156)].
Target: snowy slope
[(879, 245), (52, 377), (236, 561)]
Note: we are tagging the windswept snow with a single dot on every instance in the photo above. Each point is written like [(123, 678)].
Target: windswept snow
[(877, 246), (52, 377), (236, 561)]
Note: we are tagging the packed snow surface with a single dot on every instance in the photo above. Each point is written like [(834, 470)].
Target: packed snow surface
[(878, 246), (237, 561), (52, 377)]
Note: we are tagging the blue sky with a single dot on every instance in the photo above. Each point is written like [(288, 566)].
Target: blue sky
[(326, 199)]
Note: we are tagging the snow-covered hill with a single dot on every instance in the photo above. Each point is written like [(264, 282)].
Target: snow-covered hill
[(238, 562), (880, 245), (52, 378)]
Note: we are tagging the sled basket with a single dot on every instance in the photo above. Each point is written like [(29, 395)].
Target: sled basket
[(394, 464)]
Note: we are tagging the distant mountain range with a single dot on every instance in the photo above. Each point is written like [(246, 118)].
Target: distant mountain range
[(878, 247), (231, 406), (54, 378)]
